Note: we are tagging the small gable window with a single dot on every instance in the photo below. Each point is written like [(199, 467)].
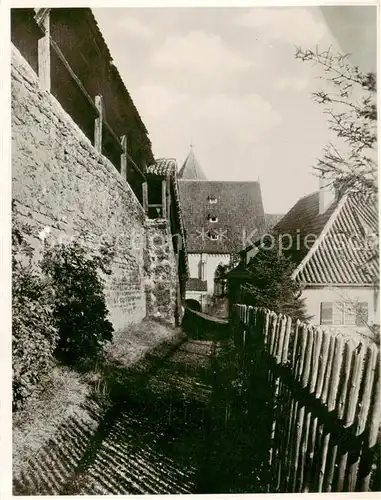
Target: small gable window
[(213, 218), (213, 236), (212, 199)]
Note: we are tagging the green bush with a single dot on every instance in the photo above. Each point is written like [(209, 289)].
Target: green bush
[(80, 310), (271, 285), (59, 308), (34, 335)]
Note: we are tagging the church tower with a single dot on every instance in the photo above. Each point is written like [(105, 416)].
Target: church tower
[(191, 169)]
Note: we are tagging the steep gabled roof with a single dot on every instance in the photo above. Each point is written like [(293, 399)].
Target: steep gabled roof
[(303, 219), (272, 220), (191, 168), (236, 216), (342, 253)]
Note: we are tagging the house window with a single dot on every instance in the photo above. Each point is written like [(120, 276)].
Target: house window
[(344, 313), (155, 212), (212, 199), (326, 313), (213, 219), (349, 314), (213, 236), (362, 314)]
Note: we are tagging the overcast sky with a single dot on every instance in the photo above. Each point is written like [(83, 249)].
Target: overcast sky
[(226, 80)]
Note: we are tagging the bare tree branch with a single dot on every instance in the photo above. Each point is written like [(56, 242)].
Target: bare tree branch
[(353, 119)]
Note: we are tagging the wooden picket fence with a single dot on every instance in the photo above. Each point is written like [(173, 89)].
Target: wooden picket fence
[(325, 407)]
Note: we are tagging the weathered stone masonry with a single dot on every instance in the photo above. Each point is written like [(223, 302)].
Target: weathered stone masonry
[(61, 181), (160, 263)]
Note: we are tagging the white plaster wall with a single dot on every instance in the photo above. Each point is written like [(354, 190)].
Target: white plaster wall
[(211, 263), (193, 261), (315, 296)]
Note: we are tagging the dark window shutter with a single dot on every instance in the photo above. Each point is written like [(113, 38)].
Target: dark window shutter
[(326, 313)]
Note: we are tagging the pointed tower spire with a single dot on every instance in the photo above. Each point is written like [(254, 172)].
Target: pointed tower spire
[(191, 168)]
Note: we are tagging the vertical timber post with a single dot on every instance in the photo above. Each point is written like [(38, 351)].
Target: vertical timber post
[(145, 197), (123, 157), (164, 198), (168, 198), (98, 124), (43, 19)]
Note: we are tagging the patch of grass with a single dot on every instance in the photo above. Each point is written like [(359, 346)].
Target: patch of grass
[(138, 340), (130, 356), (61, 395), (64, 391)]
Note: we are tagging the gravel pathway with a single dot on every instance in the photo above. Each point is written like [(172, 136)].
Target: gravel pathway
[(154, 443)]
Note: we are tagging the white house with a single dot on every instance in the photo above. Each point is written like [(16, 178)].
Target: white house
[(219, 217), (333, 242)]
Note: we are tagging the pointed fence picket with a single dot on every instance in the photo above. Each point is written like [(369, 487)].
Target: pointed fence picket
[(326, 406)]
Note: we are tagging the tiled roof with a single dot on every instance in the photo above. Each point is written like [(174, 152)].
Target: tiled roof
[(303, 219), (341, 253), (191, 168), (238, 215), (272, 220), (163, 167), (167, 167), (196, 285)]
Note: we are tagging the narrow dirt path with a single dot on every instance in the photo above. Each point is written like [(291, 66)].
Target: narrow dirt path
[(155, 442)]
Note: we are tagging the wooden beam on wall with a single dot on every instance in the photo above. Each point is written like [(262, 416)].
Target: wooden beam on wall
[(123, 157), (44, 52), (164, 198), (62, 58), (168, 182), (145, 197), (98, 124)]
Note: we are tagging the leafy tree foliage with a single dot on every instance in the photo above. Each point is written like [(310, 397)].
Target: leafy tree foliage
[(220, 278), (271, 285), (80, 310), (58, 305), (34, 335)]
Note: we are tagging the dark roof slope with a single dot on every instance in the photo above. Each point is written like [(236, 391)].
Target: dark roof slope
[(303, 219), (191, 168), (238, 209), (78, 36), (272, 220)]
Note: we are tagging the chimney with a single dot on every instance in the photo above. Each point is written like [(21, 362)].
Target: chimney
[(326, 195)]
